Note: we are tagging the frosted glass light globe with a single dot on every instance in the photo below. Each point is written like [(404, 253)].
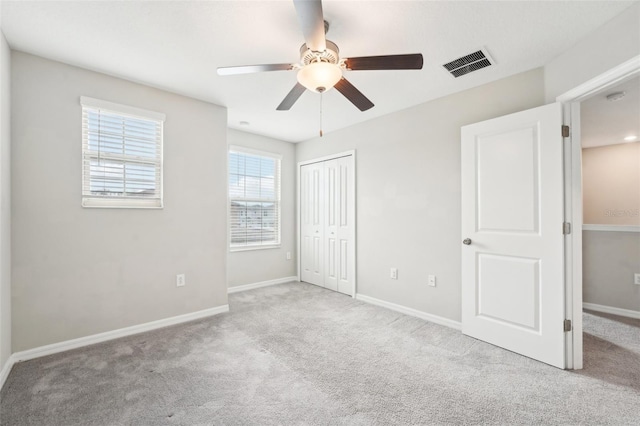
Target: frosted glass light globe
[(319, 76)]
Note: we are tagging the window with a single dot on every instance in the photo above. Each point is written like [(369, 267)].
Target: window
[(254, 199), (121, 155)]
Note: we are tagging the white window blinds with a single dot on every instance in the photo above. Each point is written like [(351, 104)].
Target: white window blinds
[(121, 155), (254, 198)]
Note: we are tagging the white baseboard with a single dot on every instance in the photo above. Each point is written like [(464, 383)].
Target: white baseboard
[(114, 334), (260, 284), (6, 369), (410, 311), (611, 310)]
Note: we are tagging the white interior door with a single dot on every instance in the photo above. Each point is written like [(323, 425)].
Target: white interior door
[(312, 206), (512, 223)]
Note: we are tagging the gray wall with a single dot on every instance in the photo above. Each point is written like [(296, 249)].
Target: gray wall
[(611, 182), (610, 45), (248, 267), (5, 202), (77, 272), (408, 190), (609, 260)]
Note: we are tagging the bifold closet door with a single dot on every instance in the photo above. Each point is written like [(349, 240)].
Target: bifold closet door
[(327, 200), (312, 223)]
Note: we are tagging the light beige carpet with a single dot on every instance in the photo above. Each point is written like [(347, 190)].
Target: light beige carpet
[(297, 354)]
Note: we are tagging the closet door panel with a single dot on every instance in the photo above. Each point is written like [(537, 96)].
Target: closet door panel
[(332, 211), (312, 223), (345, 203)]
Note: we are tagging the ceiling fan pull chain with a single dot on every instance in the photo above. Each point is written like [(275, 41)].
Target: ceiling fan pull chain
[(321, 114)]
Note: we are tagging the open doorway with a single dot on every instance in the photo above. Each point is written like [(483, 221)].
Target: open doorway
[(610, 138), (610, 142), (572, 103)]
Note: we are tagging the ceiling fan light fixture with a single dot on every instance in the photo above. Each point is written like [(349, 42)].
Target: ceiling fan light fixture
[(319, 76)]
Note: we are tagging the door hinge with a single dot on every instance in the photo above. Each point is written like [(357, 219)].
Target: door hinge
[(565, 131), (566, 228), (567, 325)]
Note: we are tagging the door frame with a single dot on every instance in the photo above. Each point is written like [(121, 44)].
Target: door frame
[(352, 214), (573, 198)]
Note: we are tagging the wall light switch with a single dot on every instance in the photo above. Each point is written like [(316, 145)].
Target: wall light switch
[(394, 273), (636, 279), (432, 280), (288, 255), (181, 280)]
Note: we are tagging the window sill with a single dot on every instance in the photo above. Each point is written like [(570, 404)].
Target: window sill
[(119, 203), (251, 248)]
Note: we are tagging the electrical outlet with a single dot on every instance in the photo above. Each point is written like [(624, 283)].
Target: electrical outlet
[(394, 273), (432, 280), (181, 280), (288, 255), (636, 279)]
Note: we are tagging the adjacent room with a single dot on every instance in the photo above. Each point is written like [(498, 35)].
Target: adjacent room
[(319, 212)]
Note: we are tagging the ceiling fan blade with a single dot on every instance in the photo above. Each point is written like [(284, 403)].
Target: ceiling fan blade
[(387, 62), (291, 98), (248, 69), (312, 23), (354, 95)]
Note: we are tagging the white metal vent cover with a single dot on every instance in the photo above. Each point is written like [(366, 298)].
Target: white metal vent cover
[(469, 63)]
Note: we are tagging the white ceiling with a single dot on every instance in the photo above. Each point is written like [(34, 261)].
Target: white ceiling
[(604, 122), (177, 46)]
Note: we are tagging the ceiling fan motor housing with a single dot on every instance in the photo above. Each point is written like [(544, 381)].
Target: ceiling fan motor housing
[(330, 55)]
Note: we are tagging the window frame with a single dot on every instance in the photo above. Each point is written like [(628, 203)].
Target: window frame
[(97, 201), (277, 199)]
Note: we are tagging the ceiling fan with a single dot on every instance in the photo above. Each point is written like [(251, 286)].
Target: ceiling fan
[(321, 67)]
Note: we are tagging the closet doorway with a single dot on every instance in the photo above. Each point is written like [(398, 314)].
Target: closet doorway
[(326, 219)]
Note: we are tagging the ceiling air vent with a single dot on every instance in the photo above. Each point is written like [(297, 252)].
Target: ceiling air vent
[(469, 63)]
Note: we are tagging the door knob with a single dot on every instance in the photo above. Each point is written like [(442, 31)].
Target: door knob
[(466, 241)]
